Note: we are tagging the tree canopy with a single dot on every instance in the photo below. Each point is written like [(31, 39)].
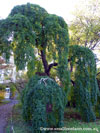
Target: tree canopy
[(85, 87), (85, 31), (38, 40), (85, 27)]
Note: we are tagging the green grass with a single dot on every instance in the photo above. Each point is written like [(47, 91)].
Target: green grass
[(72, 121), (4, 102)]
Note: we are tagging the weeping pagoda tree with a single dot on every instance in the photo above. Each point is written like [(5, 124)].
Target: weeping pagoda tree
[(83, 75), (39, 40)]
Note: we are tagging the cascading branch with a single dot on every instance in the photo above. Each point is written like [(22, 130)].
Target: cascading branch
[(37, 39), (82, 62), (43, 103)]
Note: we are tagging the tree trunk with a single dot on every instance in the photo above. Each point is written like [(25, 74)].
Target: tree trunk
[(45, 63)]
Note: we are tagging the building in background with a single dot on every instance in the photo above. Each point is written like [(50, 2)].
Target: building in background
[(7, 70)]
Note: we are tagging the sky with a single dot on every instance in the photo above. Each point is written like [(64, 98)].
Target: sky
[(62, 8)]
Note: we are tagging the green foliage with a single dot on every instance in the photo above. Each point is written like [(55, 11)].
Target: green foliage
[(11, 86), (2, 91), (85, 87), (97, 107), (43, 103), (2, 94), (13, 90), (2, 87), (85, 30), (29, 27), (93, 126)]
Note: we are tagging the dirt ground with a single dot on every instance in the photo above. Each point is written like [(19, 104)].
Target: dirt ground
[(5, 112)]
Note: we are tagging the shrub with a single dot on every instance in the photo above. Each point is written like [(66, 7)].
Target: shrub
[(43, 103), (2, 94), (12, 90), (2, 87)]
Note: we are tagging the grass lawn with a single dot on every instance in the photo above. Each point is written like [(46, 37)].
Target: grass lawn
[(82, 127), (72, 122)]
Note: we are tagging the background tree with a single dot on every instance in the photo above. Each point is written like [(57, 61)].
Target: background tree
[(84, 88), (85, 28), (85, 31)]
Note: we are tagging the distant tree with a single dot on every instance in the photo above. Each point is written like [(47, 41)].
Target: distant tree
[(85, 28), (85, 31)]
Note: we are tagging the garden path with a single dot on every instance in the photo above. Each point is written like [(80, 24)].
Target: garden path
[(5, 113)]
